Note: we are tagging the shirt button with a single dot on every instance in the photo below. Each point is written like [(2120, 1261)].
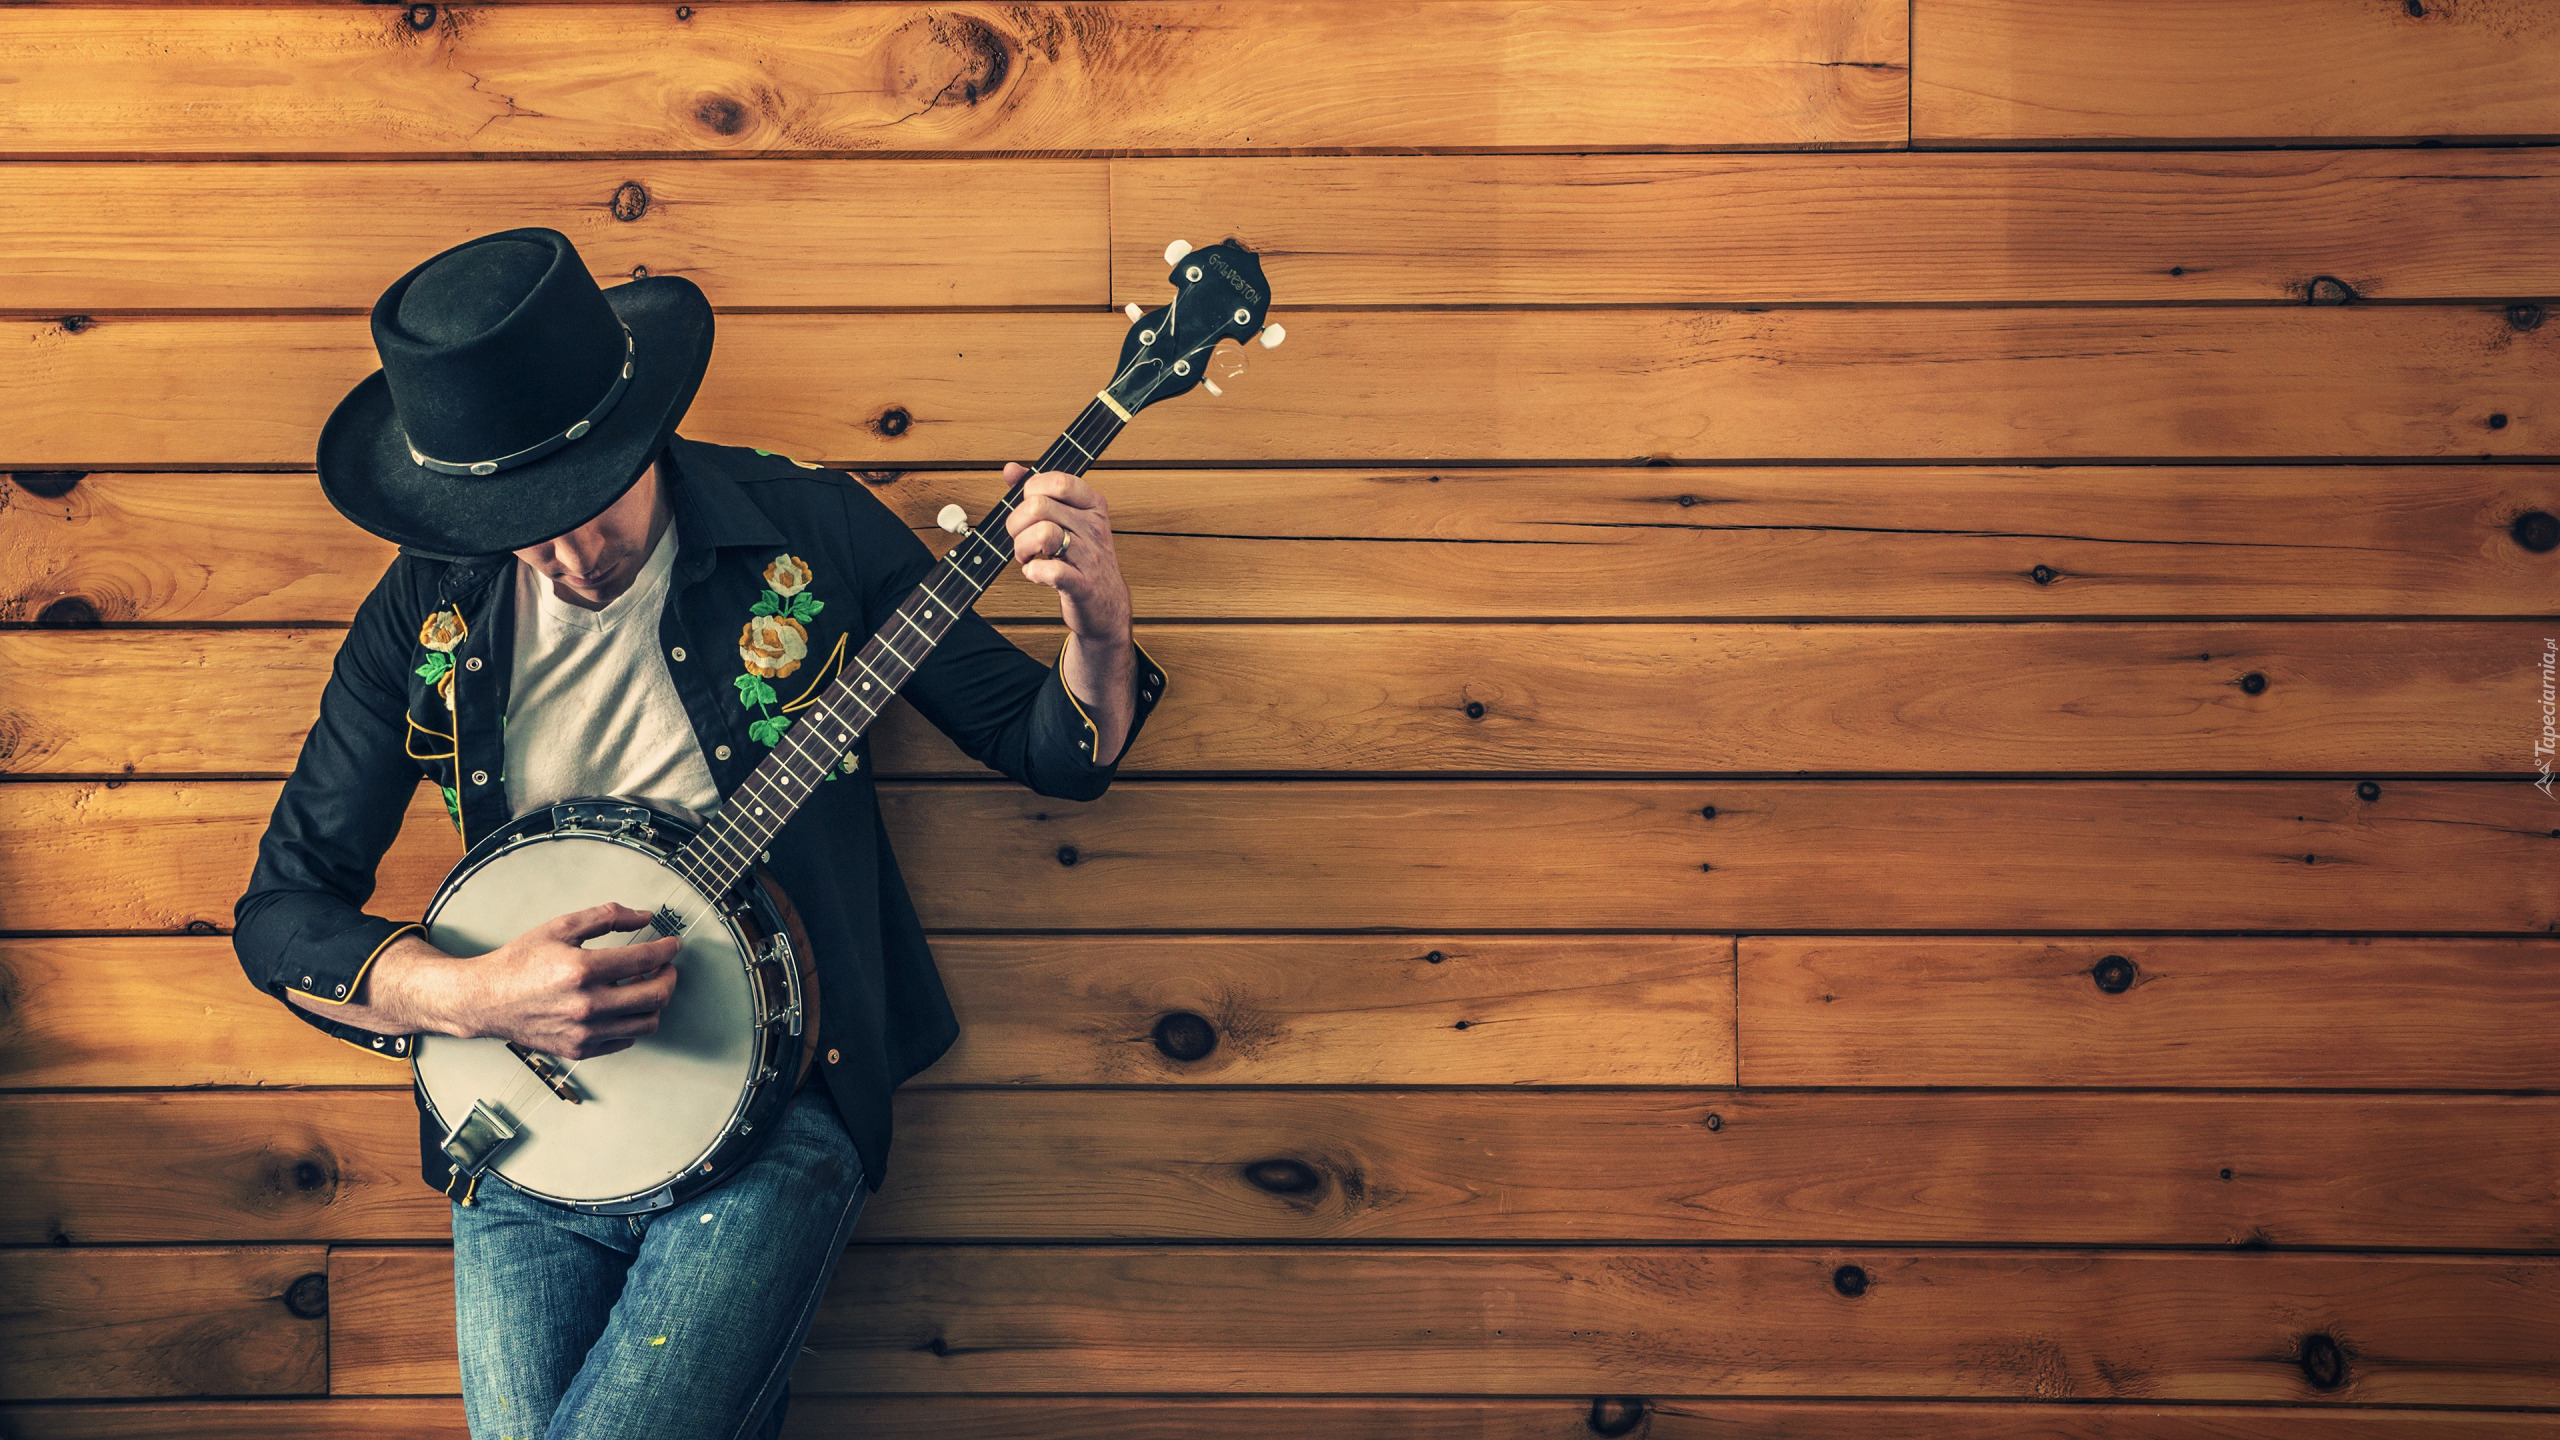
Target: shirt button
[(677, 652), (471, 664), (479, 777), (833, 1057), (720, 754)]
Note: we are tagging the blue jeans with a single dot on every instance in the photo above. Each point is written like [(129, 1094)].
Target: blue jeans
[(685, 1322)]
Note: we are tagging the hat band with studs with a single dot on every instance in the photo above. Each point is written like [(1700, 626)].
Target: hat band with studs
[(630, 352)]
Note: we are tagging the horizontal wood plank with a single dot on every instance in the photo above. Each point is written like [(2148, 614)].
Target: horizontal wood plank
[(158, 1010), (1346, 230), (1581, 1321), (1777, 229), (912, 79), (917, 232), (117, 1323), (1587, 543), (1468, 544), (1273, 1010), (1422, 699), (2380, 1013), (1613, 385), (1696, 1165), (2096, 71), (1185, 1417), (2470, 857)]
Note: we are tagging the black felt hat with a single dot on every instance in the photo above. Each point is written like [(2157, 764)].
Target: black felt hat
[(516, 399)]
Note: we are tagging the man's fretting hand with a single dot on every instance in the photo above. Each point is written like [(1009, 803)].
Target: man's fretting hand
[(541, 989), (1059, 511)]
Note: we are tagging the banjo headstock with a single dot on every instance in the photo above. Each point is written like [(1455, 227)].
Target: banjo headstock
[(1219, 294)]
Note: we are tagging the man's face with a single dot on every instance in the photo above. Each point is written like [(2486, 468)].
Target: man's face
[(596, 562)]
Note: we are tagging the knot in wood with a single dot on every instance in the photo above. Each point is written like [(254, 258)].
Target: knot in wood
[(720, 115), (630, 201), (2042, 574), (1714, 1121), (1067, 855), (1283, 1176), (47, 484), (1185, 1036), (2498, 420), (69, 612), (2328, 290), (308, 1297), (1614, 1415), (893, 422), (2323, 1362), (1849, 1280), (2536, 530), (2114, 974), (2524, 317), (878, 477), (421, 18), (1475, 709), (2253, 683), (201, 927), (74, 324), (2367, 790), (309, 1175)]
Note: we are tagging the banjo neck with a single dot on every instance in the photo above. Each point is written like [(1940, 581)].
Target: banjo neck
[(739, 833)]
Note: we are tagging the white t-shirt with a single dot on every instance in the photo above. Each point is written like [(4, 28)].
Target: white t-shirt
[(591, 709)]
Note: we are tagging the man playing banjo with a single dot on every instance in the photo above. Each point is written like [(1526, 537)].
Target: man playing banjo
[(585, 605)]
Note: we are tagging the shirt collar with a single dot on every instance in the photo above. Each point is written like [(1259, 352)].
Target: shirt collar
[(712, 512)]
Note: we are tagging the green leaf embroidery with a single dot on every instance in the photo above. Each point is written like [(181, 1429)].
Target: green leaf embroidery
[(452, 807), (746, 689), (769, 729), (771, 604), (805, 606), (764, 691), (436, 664)]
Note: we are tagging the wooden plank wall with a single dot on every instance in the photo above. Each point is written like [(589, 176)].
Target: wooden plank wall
[(1851, 743)]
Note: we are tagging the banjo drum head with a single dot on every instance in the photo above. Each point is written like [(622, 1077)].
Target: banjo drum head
[(651, 1111)]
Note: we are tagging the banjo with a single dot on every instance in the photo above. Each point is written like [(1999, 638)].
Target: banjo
[(651, 1125)]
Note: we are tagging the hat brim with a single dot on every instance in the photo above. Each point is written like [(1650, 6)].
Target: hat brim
[(366, 472)]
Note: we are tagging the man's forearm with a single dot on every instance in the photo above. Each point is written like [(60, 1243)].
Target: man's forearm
[(1103, 678), (410, 987)]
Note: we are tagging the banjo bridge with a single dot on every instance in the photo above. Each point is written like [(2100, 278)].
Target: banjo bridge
[(548, 1073)]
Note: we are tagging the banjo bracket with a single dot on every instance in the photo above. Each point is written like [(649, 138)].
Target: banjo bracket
[(777, 951)]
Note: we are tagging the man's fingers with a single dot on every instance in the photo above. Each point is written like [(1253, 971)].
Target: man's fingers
[(579, 926), (1041, 539), (1065, 489), (625, 961), (640, 997)]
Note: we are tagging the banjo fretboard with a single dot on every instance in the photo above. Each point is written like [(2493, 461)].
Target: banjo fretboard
[(738, 835)]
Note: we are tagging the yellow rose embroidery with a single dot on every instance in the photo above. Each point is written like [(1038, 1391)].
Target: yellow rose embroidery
[(773, 645), (775, 641), (443, 630), (439, 634), (788, 575)]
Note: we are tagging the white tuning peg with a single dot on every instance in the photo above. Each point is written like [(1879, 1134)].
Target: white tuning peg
[(1174, 252), (1133, 312), (1210, 385), (953, 519), (1272, 335)]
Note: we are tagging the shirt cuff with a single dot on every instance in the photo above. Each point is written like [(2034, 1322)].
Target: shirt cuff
[(1087, 737), (333, 975)]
